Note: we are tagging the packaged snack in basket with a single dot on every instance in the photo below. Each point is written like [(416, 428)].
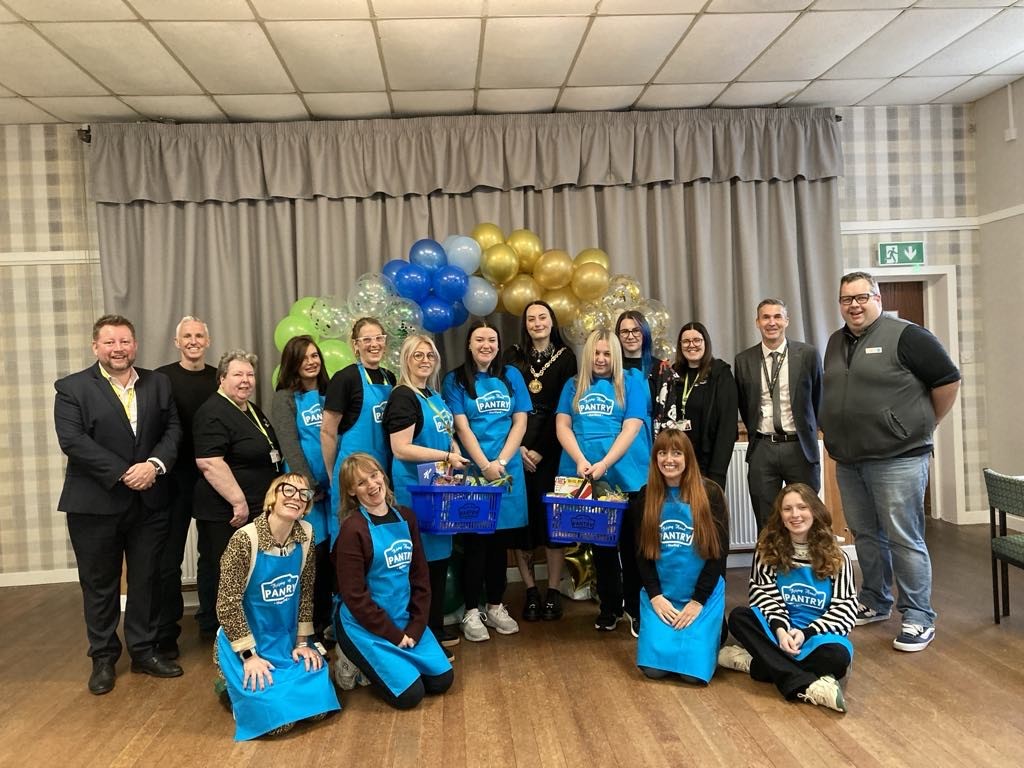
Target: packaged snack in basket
[(576, 487), (436, 473)]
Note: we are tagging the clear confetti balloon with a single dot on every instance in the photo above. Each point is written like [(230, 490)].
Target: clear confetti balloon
[(575, 332), (594, 316), (370, 294), (623, 293), (657, 316), (401, 318), (328, 318), (663, 349)]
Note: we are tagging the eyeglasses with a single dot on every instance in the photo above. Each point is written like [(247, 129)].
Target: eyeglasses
[(626, 332), (860, 298), (419, 357), (691, 343), (379, 339), (288, 491)]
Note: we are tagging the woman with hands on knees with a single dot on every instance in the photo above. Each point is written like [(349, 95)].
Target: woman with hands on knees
[(803, 604), (384, 586), (600, 414), (682, 526), (275, 674)]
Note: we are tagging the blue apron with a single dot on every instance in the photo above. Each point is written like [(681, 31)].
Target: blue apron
[(366, 435), (806, 597), (596, 424), (388, 584), (309, 412), (490, 418), (640, 451), (693, 650), (437, 434), (271, 604)]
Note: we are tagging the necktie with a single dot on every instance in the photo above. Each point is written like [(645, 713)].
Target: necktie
[(776, 403)]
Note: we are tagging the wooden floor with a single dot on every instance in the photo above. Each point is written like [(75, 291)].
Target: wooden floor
[(557, 694)]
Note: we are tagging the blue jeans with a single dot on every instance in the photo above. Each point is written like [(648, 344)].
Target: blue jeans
[(883, 500)]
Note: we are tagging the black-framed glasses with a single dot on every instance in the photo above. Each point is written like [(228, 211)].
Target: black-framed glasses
[(626, 332), (860, 298), (288, 491), (378, 339), (691, 343)]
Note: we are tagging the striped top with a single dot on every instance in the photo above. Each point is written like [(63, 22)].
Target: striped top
[(840, 614)]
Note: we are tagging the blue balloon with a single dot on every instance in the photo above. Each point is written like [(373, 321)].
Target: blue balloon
[(428, 254), (481, 298), (463, 252), (437, 314), (448, 242), (392, 268), (413, 282), (459, 314), (450, 283)]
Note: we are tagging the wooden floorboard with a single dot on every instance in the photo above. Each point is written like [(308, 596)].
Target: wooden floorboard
[(559, 695)]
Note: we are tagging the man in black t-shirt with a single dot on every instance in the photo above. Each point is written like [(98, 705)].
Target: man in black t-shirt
[(192, 383)]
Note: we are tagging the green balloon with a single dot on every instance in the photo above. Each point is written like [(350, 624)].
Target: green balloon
[(452, 590), (275, 375), (290, 327), (301, 307), (336, 355)]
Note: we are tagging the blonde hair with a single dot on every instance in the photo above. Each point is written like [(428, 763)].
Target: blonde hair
[(292, 478), (586, 375), (359, 462), (405, 360)]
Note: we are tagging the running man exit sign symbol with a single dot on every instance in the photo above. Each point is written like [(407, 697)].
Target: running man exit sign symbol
[(900, 254)]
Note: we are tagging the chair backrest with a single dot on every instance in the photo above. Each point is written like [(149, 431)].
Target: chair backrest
[(1005, 492)]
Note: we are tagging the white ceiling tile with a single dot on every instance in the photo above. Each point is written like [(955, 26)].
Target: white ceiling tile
[(33, 67), (1014, 66), (348, 106), (753, 6), (683, 96), (123, 55), (975, 88), (859, 5), (415, 63), (329, 55), (998, 39), (421, 9), (226, 56), (193, 10), (88, 109), (718, 48), (758, 94), (613, 7), (606, 60), (183, 109), (540, 7), (21, 112), (311, 9), (71, 10), (836, 93), (913, 90), (598, 98), (963, 3), (433, 103), (263, 108), (529, 52), (501, 101), (816, 42), (908, 40)]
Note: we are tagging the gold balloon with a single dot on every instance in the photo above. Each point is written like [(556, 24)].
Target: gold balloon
[(522, 290), (590, 281), (579, 562), (564, 302), (487, 234), (553, 270), (591, 256), (527, 246), (499, 264)]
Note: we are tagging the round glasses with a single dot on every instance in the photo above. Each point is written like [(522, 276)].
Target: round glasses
[(419, 357), (288, 491)]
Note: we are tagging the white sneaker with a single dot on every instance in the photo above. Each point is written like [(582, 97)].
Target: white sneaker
[(497, 617), (824, 692), (345, 672), (735, 657), (913, 637), (473, 627)]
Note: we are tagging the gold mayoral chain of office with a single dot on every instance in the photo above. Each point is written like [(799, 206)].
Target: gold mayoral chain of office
[(535, 385)]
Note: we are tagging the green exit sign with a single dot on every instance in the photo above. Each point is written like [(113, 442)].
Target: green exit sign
[(900, 254)]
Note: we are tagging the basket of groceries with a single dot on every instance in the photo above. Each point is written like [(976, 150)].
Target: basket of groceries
[(586, 512), (447, 503)]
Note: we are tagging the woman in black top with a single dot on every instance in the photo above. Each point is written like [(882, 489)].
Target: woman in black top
[(697, 394), (546, 364), (238, 454)]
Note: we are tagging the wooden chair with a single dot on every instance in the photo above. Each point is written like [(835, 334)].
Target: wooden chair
[(1005, 497)]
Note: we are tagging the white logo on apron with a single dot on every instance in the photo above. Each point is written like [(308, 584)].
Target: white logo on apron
[(676, 534), (281, 589), (803, 594), (313, 415), (399, 554), (596, 404)]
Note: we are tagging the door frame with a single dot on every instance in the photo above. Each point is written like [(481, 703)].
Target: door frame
[(941, 316)]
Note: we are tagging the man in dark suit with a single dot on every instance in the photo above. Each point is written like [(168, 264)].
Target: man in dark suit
[(779, 384), (120, 431)]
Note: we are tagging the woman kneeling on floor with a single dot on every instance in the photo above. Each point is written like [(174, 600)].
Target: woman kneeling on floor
[(274, 674), (384, 590), (803, 604)]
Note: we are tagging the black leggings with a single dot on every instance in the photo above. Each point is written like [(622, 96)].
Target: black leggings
[(484, 566), (618, 578), (438, 575), (411, 696)]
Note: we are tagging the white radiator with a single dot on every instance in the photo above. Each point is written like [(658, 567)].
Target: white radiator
[(188, 563)]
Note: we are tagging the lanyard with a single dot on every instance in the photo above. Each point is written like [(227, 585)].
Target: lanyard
[(251, 414), (434, 408), (773, 380), (688, 389)]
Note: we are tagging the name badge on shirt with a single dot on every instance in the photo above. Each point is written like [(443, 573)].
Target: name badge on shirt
[(872, 350), (275, 456), (685, 425)]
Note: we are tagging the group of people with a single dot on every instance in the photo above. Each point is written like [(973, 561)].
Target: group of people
[(305, 532)]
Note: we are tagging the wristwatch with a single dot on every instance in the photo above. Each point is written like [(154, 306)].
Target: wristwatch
[(156, 466), (248, 653), (503, 463)]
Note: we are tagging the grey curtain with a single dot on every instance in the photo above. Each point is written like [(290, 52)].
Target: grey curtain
[(710, 209)]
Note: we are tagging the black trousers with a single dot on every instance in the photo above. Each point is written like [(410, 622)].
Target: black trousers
[(773, 465), (323, 588), (438, 575), (101, 542), (484, 567), (773, 665), (618, 578), (171, 604), (411, 696), (213, 537)]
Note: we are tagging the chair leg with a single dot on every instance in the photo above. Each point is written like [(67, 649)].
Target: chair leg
[(1006, 588), (995, 590)]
